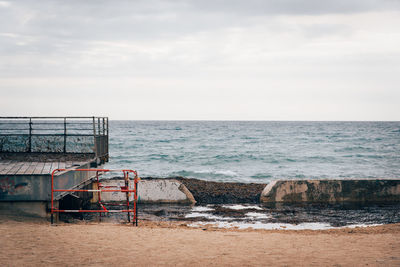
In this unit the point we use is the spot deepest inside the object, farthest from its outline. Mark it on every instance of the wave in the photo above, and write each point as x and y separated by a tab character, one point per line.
261	176
206	173
354	149
239	157
164	141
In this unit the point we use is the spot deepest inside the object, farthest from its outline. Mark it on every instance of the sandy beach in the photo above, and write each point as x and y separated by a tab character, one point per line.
35	242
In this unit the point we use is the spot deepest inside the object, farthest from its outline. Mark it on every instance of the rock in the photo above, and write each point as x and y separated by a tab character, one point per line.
152	191
208	192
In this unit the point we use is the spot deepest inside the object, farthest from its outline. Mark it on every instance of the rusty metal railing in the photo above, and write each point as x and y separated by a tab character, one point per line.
55	135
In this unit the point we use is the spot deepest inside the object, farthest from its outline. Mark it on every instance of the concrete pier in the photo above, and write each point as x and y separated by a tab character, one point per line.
32	147
331	191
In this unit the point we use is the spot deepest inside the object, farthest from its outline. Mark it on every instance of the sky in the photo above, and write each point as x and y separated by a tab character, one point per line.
201	60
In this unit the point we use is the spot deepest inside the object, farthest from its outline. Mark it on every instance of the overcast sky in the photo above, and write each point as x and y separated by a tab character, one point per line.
215	60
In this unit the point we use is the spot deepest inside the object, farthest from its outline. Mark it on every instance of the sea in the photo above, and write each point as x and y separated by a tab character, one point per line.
260	152
256	151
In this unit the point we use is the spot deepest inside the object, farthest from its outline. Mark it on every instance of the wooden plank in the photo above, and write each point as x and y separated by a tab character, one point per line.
61	165
31	167
15	168
54	166
24	167
68	164
65	165
46	168
4	164
6	161
39	168
8	167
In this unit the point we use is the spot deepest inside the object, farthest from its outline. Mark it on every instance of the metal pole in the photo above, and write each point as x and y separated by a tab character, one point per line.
98	148
103	142
135	208
108	155
126	176
107	126
30	135
94	137
98	192
52	194
65	135
98	125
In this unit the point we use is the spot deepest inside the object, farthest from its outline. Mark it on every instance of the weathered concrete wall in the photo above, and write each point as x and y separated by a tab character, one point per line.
31	208
152	191
330	191
34	187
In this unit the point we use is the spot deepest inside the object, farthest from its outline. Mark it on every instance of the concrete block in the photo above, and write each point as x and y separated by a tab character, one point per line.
152	191
331	191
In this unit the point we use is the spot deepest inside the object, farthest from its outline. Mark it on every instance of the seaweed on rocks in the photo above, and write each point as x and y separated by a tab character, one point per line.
209	192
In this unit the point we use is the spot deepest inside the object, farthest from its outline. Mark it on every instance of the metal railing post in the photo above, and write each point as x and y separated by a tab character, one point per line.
65	135
30	135
94	136
98	125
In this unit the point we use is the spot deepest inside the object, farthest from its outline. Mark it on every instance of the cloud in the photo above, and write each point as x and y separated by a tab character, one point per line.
4	4
161	19
261	56
295	7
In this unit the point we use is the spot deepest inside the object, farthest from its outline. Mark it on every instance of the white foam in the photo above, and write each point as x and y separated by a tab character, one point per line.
241	207
360	225
201	208
220	172
257	215
204	171
266	226
227	173
207	216
277	226
195	215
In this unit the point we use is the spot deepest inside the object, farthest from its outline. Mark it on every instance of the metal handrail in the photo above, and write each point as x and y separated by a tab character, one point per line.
52	117
98	125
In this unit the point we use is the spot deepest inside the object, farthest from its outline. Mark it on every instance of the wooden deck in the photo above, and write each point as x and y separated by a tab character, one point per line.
14	167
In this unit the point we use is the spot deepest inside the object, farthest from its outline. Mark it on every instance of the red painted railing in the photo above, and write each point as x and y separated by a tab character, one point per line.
123	189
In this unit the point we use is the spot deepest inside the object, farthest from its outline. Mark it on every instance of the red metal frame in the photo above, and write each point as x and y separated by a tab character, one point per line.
123	189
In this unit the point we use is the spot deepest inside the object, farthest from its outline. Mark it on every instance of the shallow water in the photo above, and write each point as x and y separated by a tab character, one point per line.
314	217
256	151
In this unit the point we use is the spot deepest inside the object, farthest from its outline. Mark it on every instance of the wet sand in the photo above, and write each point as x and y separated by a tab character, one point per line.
34	242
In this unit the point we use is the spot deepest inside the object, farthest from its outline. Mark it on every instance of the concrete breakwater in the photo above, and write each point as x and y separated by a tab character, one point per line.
180	190
332	191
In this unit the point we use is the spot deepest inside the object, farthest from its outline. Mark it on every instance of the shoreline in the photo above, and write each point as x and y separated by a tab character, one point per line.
34	242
